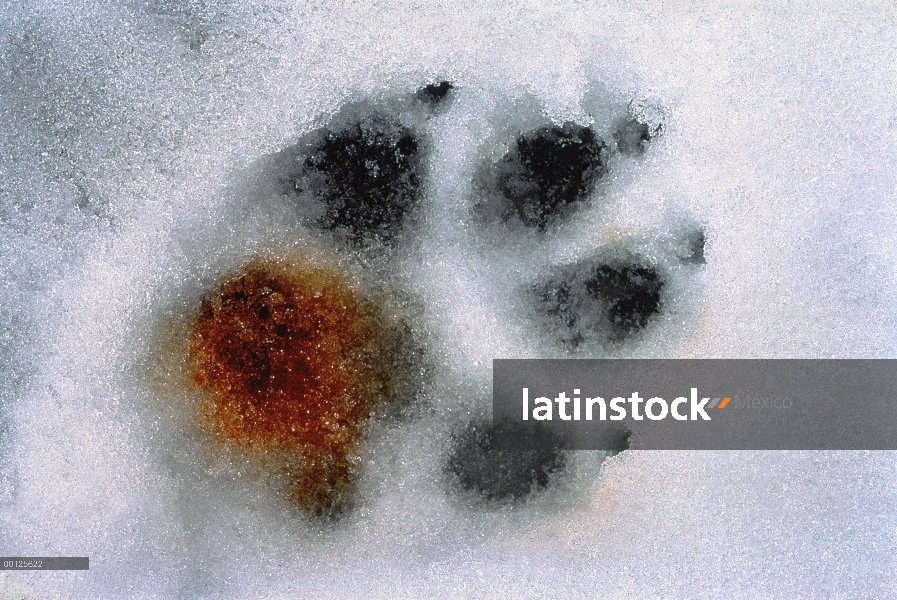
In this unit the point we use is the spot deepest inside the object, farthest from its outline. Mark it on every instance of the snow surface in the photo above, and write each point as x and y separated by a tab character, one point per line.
134	139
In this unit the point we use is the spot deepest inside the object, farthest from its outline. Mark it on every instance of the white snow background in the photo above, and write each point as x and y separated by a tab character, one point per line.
129	135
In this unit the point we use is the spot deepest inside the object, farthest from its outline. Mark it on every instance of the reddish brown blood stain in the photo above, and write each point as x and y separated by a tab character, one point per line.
289	357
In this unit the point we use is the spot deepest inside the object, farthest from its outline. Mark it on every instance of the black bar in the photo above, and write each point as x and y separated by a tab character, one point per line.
44	563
